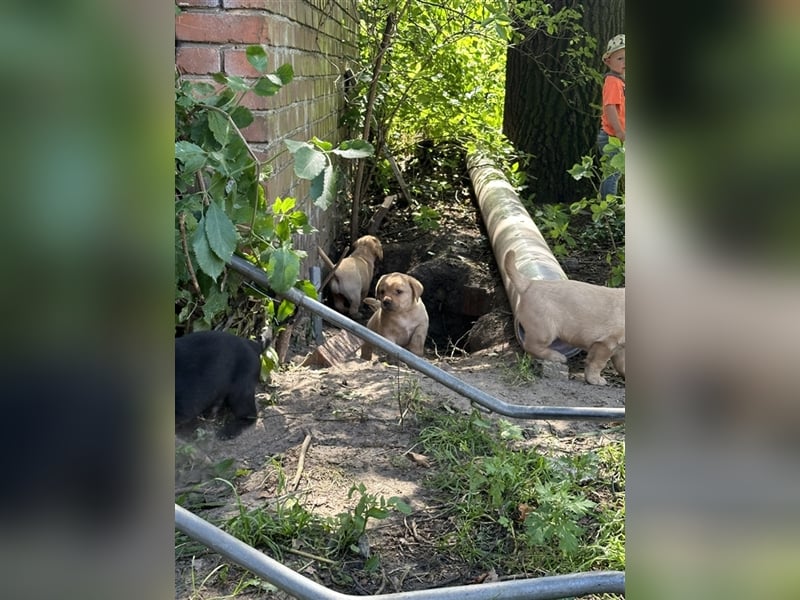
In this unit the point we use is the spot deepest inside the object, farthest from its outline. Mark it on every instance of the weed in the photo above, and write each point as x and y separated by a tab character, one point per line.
520	511
524	370
409	397
590	225
288	526
349	528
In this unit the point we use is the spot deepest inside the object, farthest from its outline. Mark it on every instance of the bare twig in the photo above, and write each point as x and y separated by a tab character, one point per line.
300	462
307	555
185	246
329	263
386	43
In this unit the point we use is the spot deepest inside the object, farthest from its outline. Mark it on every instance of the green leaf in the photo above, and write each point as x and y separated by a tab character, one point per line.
285	310
322	144
242	116
220	232
294	145
216	302
283	206
267	86
191	155
208	262
286	73
400	505
355	149
308	289
323	188
238	84
220	126
308	162
618	161
283	269
257	56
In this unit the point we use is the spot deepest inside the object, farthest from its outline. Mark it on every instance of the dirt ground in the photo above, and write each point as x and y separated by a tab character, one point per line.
360	419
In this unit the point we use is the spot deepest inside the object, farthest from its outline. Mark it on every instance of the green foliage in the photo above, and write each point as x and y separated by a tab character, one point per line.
312	160
349	528
590	224
524	370
221	209
289	525
220	206
443	76
442	80
517	510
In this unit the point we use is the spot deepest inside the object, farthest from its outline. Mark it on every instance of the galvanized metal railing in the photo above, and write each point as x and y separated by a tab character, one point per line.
516	411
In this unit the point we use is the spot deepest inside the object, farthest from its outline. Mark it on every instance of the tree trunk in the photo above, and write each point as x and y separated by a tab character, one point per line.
555	123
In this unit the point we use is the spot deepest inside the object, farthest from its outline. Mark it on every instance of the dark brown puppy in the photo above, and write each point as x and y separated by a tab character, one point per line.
215	369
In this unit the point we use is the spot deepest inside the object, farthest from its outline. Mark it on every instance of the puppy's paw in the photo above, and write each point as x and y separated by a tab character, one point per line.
594	379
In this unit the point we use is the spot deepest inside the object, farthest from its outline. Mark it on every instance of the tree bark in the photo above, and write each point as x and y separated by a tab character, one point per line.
556	124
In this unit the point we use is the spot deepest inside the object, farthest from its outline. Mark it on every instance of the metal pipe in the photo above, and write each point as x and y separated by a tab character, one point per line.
510	227
541	588
516	411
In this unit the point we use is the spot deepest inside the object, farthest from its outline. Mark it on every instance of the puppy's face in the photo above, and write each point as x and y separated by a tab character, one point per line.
398	292
400	315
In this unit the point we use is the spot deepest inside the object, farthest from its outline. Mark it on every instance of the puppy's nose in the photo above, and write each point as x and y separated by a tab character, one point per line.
387	302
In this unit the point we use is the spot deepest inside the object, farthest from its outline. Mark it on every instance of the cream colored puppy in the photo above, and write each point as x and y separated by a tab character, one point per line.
587	316
352	278
400	315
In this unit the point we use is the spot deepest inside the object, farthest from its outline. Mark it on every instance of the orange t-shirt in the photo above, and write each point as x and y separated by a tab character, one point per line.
613	93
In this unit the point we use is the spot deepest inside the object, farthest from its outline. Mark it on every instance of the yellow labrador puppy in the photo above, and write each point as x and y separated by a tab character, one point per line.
352	278
400	315
587	316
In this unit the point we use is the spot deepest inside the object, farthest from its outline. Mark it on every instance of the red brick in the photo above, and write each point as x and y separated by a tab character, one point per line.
222	28
198	3
260	130
248	3
198	60
236	64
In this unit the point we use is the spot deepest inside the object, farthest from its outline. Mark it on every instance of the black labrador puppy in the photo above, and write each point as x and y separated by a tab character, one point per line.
215	369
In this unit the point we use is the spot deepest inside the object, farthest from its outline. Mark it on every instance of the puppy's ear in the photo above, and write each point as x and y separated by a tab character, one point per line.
380	281
378	249
416	287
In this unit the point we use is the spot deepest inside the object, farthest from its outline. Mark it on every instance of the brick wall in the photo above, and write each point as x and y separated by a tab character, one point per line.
318	38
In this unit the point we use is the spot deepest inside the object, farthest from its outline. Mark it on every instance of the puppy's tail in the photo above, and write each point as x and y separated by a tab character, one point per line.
510	265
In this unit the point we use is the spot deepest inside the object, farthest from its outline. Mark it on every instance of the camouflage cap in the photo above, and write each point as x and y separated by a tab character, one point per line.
614	44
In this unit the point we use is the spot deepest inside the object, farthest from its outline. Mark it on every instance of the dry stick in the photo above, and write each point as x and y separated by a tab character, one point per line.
380	214
300	462
386	42
308	555
185	246
398	174
329	263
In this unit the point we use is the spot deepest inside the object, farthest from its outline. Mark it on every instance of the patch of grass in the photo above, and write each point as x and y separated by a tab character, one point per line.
519	511
524	370
288	526
409	397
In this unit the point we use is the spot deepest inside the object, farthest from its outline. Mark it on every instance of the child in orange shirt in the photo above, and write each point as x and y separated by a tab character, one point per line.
612	122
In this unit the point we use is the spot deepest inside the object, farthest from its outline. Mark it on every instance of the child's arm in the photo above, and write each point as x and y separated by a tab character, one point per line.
613	118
